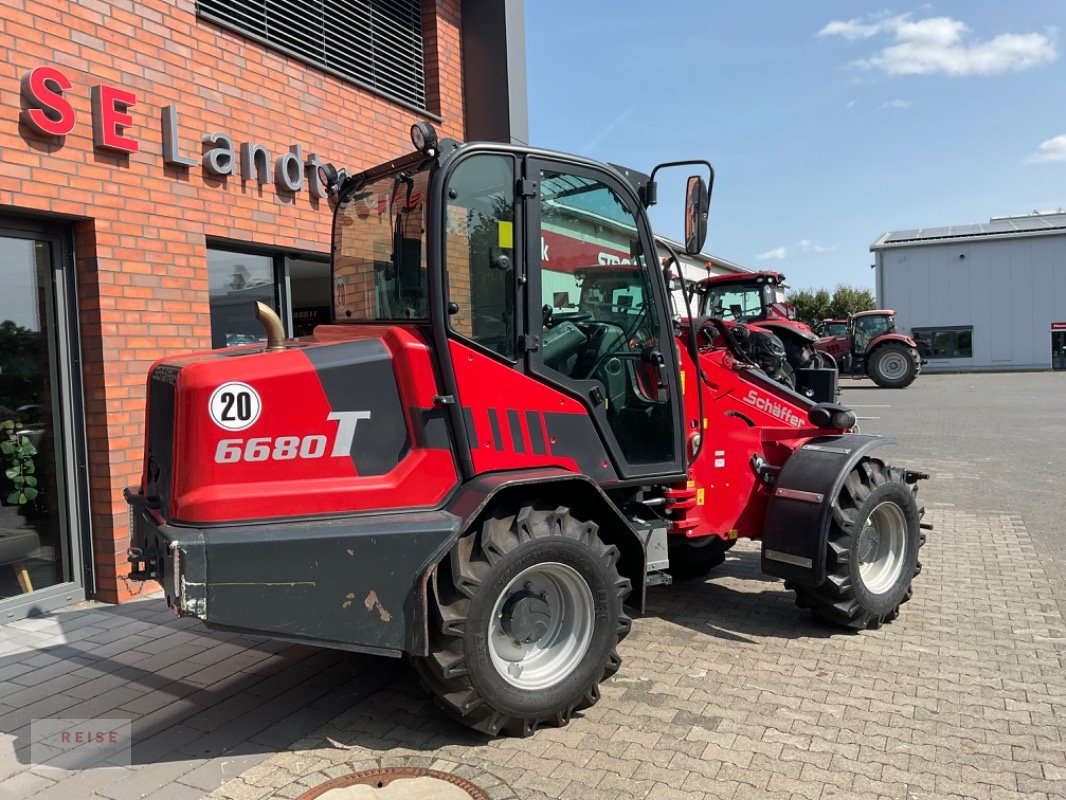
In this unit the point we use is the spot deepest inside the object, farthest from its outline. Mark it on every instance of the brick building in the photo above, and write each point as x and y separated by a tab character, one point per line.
157	172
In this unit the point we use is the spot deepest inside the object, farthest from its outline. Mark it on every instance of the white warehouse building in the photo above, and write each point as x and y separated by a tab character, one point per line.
981	297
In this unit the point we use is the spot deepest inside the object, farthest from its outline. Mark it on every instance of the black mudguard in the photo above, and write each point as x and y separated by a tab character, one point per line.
797	519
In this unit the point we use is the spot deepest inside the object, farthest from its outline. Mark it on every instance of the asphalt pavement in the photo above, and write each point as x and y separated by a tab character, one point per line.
994	443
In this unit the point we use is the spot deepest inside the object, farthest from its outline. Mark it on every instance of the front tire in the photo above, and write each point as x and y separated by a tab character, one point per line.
872	550
894	366
526	616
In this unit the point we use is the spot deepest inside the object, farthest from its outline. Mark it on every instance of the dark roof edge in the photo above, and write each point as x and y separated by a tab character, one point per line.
881	244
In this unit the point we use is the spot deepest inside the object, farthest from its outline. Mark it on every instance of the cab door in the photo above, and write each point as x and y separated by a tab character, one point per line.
597	325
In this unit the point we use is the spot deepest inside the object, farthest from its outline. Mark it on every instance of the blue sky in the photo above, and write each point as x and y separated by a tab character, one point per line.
828	123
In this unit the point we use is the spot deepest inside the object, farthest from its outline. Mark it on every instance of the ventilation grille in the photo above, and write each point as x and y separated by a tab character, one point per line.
374	43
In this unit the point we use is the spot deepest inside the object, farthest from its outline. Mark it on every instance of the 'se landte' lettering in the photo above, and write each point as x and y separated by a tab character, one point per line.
287	448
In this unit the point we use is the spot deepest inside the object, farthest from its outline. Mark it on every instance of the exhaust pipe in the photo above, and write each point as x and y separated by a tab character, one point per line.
271	323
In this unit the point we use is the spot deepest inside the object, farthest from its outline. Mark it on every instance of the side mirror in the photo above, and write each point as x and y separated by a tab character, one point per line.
696	205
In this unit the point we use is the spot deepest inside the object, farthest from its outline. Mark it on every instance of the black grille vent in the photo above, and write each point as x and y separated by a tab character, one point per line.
161	408
374	43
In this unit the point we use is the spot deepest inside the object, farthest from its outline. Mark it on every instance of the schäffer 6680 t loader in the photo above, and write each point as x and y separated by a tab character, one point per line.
501	440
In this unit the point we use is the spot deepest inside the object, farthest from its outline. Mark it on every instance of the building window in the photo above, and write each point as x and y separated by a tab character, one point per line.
236	281
296	287
374	43
309	289
954	341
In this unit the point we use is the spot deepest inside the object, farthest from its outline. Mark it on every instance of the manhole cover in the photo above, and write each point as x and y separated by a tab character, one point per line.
396	783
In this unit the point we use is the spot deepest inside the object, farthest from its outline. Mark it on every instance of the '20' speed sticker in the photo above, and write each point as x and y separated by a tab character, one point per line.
235	406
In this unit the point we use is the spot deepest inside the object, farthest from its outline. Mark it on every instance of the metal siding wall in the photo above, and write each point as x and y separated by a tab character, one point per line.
1010	291
1058	289
980	294
1048	294
1001	317
1022	282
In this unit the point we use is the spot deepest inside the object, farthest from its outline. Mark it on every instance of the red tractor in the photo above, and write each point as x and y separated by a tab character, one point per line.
757	300
868	345
499	443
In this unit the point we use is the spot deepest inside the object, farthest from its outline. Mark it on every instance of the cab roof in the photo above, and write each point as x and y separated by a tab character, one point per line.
744	277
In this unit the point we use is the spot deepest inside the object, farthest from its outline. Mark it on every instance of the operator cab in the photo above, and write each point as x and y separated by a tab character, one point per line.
869	325
533	261
745	298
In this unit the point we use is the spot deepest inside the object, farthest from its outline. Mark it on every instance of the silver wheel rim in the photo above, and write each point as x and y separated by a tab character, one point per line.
882	547
893	366
541	626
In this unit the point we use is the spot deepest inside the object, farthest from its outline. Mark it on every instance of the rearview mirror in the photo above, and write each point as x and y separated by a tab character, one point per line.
696	202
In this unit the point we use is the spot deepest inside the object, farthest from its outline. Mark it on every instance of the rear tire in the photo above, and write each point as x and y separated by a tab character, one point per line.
894	366
872	550
823	360
525	619
695	558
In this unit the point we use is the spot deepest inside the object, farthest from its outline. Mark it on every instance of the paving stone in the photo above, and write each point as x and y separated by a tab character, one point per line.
727	691
23	784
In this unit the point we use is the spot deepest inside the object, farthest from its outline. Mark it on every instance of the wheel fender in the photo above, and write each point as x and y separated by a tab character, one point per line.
796	530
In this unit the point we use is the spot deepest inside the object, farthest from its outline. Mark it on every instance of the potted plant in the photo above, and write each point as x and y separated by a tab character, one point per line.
20	485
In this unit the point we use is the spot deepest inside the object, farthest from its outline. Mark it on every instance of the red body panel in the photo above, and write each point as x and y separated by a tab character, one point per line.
743	417
488	390
287	462
892	337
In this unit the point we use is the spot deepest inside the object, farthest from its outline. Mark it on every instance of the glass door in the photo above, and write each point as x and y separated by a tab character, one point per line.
591	271
39	557
1058	349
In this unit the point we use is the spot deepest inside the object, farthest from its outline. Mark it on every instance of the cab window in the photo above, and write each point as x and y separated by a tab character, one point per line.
479	252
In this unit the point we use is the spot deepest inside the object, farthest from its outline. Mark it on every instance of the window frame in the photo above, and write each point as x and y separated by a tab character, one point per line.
517	268
628	472
928	332
72	476
282	274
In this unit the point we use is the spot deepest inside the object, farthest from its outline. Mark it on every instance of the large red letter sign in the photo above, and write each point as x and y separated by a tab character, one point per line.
49	114
109	114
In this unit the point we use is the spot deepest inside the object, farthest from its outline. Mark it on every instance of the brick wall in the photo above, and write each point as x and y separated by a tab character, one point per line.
140	226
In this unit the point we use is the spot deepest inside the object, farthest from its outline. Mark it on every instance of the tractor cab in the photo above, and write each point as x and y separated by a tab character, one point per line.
832	327
869	326
745	297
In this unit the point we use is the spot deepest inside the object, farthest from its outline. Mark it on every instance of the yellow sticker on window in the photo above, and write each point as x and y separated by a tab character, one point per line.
505	233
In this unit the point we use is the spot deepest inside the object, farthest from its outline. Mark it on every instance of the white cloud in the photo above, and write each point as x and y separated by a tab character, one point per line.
896	104
1052	150
802	246
944	45
807	246
854	28
851	104
776	254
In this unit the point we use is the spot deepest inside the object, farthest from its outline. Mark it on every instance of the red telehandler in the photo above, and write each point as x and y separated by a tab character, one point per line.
499	443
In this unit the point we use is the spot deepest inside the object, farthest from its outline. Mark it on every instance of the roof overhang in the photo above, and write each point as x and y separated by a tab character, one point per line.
881	244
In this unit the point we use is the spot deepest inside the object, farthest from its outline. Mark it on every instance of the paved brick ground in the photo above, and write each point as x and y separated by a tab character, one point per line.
727	690
204	706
